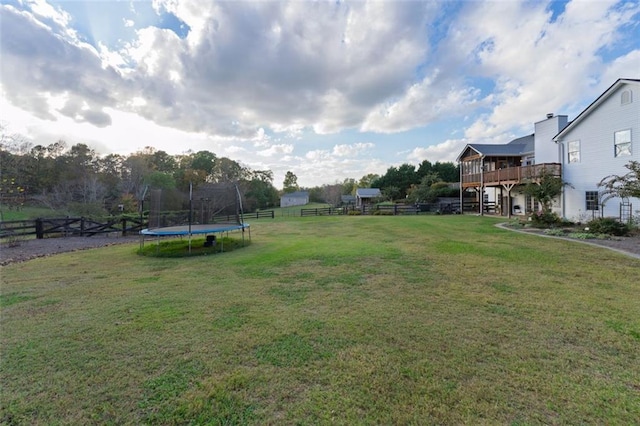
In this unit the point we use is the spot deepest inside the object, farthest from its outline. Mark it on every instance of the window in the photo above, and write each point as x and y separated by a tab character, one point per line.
573	152
622	143
591	198
626	97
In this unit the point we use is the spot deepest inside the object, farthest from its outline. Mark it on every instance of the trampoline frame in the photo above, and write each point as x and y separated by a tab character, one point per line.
189	230
211	228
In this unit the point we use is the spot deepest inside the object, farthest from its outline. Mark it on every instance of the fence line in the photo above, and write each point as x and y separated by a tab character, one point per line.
86	227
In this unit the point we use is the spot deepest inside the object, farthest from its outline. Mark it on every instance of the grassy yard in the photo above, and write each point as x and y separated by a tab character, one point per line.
332	320
24	213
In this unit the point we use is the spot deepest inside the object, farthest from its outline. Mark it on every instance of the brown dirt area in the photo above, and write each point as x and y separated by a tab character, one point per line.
21	251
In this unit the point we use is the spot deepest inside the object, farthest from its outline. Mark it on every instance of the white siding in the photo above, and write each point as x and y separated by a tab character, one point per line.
546	150
597	159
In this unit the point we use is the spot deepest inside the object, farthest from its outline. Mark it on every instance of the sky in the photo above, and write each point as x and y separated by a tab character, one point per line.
326	89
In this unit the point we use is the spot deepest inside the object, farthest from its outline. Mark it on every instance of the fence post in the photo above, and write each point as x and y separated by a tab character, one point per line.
82	226
39	229
124	226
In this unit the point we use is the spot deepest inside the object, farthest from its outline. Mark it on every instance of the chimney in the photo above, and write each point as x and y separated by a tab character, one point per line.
549	115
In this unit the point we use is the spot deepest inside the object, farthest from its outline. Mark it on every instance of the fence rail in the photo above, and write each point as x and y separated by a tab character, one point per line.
87	227
265	214
386	209
323	211
69	226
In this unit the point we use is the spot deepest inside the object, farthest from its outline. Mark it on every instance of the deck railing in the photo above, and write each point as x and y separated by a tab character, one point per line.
515	175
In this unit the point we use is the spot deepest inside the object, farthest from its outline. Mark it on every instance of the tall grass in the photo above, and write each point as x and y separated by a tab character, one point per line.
347	320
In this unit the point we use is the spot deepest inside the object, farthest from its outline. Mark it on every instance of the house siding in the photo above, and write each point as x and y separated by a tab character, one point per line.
597	156
546	150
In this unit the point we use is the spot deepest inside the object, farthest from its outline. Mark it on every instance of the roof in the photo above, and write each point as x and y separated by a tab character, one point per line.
347	198
368	192
297	194
517	147
595	104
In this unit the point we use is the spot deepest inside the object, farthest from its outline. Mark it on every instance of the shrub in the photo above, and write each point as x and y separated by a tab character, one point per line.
383	213
545	219
583	235
609	226
556	232
354	213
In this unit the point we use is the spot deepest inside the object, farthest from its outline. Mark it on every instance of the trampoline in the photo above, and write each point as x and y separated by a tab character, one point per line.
212	228
212	209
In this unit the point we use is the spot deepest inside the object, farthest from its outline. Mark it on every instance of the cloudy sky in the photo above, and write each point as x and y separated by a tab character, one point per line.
326	89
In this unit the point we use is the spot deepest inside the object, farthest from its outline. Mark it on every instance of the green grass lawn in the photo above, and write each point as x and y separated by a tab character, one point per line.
331	320
24	213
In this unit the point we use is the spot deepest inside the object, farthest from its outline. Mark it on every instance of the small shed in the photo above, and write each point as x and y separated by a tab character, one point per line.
298	198
367	195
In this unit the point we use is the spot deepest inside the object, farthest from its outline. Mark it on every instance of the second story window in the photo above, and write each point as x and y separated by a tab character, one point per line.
573	152
622	143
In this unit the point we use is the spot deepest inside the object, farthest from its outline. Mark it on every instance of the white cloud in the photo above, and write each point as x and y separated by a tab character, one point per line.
538	66
345	150
446	151
292	85
277	149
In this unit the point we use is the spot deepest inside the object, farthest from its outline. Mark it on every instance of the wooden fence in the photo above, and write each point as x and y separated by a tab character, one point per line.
86	227
70	226
386	209
323	211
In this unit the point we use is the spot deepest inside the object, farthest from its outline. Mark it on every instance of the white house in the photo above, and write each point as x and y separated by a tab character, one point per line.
598	143
298	198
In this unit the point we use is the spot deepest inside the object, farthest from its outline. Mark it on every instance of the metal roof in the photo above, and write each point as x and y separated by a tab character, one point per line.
368	192
517	147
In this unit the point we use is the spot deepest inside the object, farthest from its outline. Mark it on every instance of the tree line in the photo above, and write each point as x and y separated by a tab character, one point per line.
76	179
406	183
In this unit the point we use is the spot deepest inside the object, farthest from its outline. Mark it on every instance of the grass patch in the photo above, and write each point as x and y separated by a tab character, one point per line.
13	298
182	248
28	212
347	320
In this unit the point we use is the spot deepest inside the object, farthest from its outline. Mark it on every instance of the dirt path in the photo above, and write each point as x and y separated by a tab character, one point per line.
31	249
626	245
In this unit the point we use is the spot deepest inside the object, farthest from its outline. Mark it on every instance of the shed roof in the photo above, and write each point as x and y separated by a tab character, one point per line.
368	192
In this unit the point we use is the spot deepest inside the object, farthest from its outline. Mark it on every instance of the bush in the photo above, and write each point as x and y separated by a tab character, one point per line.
609	226
87	209
556	232
545	219
354	213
